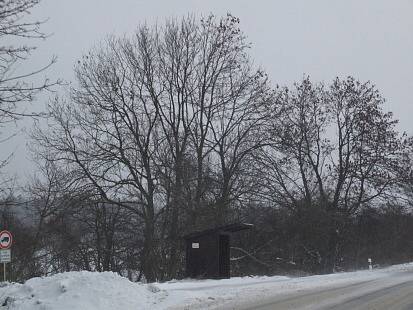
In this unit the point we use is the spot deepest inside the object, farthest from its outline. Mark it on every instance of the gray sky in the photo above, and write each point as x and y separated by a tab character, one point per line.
369	39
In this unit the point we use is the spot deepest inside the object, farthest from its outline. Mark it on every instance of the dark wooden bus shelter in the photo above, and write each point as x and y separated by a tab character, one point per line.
208	251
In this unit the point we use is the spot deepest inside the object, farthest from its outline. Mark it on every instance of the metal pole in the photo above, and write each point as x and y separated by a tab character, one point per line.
4	266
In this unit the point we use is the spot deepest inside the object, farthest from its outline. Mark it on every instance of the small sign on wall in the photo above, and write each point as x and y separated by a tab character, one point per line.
195	245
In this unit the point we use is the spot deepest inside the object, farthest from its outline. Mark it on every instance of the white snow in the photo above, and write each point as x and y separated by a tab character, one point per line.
108	291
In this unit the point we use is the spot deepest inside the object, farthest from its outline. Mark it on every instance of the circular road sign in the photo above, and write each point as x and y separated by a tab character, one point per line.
6	239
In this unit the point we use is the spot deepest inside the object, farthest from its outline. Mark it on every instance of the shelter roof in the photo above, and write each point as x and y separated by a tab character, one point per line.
229	228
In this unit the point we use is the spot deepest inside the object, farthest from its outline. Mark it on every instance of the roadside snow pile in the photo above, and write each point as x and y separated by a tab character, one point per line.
79	290
108	291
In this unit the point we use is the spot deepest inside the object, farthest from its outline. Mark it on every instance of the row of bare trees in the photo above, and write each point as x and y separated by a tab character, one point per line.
177	126
174	130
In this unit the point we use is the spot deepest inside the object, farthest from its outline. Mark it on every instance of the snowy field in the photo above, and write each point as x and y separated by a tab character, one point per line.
108	291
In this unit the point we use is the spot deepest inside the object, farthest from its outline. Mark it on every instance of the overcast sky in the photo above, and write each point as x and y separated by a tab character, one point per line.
369	39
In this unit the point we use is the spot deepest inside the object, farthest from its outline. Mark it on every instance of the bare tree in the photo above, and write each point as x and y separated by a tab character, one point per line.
156	116
334	149
17	88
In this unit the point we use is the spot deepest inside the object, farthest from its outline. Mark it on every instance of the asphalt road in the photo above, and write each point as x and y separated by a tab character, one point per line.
393	292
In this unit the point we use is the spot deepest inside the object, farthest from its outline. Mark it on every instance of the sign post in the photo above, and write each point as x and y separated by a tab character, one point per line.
370	266
6	240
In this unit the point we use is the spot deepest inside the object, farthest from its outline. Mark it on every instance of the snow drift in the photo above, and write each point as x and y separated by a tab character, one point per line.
108	291
78	290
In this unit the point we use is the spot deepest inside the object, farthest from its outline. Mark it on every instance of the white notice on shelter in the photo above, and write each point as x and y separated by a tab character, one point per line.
5	256
195	245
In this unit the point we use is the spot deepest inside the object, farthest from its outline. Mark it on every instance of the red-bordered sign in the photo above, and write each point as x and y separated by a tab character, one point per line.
6	239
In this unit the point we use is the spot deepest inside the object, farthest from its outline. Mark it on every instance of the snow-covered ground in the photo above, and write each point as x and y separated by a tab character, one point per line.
108	291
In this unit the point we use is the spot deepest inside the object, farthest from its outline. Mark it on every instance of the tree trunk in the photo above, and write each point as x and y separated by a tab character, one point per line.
330	256
148	259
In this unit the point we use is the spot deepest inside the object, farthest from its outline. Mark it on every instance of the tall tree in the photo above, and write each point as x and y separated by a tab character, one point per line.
334	149
156	116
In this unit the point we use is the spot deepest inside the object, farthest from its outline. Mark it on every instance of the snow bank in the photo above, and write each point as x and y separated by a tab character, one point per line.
108	291
80	290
